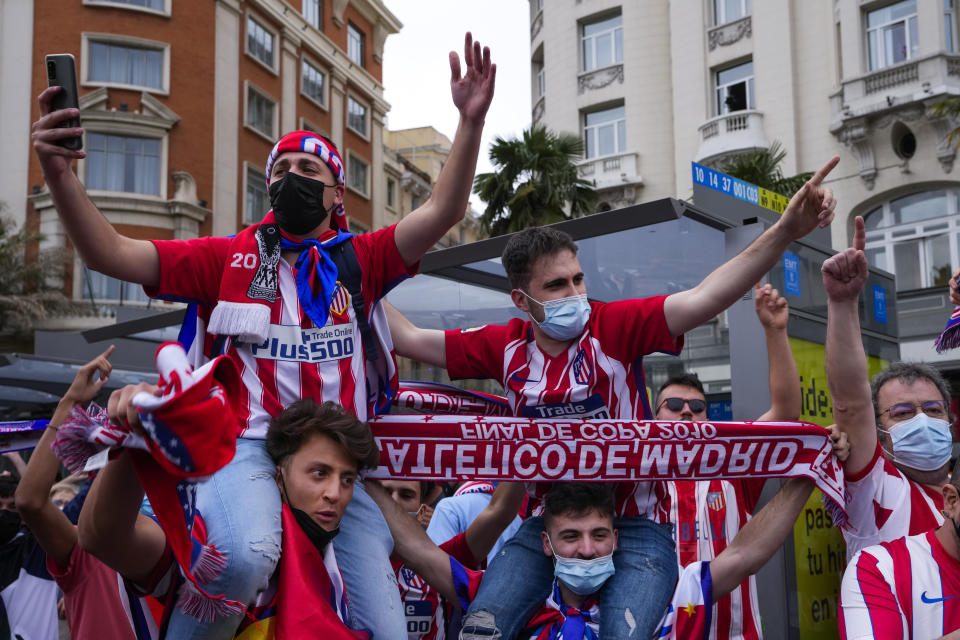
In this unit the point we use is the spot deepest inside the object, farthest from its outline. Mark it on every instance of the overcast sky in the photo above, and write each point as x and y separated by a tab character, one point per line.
416	71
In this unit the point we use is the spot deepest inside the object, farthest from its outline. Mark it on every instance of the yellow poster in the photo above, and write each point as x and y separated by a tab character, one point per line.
819	551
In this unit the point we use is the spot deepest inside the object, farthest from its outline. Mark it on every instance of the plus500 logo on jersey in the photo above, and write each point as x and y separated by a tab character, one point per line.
292	343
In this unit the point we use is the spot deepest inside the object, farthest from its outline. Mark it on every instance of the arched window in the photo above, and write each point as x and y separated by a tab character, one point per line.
915	238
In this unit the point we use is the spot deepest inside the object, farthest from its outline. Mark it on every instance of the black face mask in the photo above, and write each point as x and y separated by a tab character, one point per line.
319	536
298	203
9	525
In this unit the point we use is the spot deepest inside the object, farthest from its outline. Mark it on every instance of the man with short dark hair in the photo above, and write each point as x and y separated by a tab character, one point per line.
899	427
318	450
708	514
576	358
580	539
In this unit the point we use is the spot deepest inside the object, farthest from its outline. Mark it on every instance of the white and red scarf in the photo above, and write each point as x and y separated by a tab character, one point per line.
437	447
250	283
191	431
950	337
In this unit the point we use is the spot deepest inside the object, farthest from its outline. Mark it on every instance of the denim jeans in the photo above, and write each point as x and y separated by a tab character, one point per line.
632	602
240	505
363	549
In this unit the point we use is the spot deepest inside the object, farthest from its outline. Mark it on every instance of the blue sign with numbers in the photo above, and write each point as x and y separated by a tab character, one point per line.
879	304
725	184
791	274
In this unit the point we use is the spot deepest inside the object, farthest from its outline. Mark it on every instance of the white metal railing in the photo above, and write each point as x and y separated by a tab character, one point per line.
730	133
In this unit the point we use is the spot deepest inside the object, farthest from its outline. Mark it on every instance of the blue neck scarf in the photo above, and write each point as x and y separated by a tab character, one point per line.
316	274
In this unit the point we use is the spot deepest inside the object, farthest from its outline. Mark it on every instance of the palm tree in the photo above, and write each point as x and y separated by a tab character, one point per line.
535	182
26	292
762	168
950	109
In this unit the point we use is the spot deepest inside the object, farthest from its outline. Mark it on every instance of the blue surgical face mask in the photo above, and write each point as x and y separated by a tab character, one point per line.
565	318
583	577
921	443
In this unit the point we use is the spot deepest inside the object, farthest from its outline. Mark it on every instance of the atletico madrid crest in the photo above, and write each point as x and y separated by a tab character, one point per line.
340	301
715	500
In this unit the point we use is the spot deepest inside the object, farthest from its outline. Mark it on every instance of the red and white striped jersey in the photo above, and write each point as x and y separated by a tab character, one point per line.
298	359
599	376
883	505
425	611
907	588
706	517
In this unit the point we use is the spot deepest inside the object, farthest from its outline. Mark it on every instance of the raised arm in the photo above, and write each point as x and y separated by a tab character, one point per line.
447	204
785	397
53	530
810	207
100	246
760	538
844	276
111	526
410	341
490	523
411	544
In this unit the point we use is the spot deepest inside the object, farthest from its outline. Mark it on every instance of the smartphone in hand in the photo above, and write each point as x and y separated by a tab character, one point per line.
62	71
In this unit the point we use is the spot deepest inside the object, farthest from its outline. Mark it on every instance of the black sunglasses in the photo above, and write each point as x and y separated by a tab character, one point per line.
676	404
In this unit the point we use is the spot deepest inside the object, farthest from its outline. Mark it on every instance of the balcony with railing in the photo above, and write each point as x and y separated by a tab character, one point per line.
731	133
913	82
610	171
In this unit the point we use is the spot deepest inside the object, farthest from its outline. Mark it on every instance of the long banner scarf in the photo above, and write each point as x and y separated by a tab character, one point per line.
950	338
190	434
434	397
434	447
21	434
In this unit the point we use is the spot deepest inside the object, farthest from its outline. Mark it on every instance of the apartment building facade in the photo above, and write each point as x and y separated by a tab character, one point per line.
182	101
652	86
421	153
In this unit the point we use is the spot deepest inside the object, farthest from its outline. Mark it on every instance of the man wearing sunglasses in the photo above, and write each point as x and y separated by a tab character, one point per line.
708	514
899	427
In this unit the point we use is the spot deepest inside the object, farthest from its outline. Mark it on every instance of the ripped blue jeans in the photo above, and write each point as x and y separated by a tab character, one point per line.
241	508
240	505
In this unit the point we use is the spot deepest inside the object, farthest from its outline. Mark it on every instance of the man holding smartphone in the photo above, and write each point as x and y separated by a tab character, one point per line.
279	320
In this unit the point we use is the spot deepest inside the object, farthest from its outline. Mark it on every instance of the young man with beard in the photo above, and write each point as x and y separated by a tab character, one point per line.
290	325
574	357
898	426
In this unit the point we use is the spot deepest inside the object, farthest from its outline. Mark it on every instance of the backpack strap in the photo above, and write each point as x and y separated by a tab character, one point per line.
350	276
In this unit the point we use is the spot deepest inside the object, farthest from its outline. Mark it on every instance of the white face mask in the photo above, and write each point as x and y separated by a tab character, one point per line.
583	577
921	443
564	318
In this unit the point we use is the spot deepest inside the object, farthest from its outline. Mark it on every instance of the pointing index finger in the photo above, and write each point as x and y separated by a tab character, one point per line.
824	170
859	234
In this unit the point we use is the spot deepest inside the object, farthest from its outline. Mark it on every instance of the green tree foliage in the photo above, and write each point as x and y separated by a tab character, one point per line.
26	290
949	108
535	182
762	168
